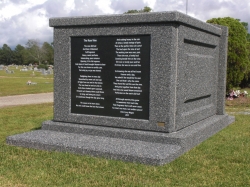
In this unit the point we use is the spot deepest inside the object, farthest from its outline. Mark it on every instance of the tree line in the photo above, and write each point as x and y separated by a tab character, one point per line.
32	53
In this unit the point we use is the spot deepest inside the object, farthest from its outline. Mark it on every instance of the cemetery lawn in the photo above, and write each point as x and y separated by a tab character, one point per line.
222	160
15	83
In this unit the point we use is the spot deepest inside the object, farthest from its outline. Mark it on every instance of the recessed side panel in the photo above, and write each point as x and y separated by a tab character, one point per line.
197	77
198	89
110	76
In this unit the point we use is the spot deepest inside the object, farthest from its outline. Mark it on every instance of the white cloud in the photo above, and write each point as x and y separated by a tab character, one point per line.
170	5
10	10
220	1
21	20
104	5
69	5
36	2
150	3
121	6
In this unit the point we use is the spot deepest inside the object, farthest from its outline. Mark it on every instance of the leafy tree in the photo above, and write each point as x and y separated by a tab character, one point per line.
245	24
238	63
43	66
34	50
248	37
246	81
48	53
145	9
6	56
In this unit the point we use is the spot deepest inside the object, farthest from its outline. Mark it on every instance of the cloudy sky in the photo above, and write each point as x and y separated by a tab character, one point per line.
21	20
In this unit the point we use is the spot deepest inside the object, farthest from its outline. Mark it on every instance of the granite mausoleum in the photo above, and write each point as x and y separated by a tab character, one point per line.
136	87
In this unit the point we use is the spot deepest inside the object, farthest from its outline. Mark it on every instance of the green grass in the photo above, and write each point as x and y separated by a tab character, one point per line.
222	160
15	84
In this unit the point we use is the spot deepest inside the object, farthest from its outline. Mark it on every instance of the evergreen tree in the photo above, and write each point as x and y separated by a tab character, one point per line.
20	55
7	55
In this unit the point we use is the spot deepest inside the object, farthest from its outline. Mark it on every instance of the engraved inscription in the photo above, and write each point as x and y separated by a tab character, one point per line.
110	76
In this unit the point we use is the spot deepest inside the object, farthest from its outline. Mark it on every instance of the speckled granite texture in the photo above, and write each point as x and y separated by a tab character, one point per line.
187	90
184	67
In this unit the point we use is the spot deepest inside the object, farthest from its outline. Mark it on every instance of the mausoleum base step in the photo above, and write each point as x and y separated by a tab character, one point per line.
145	147
112	148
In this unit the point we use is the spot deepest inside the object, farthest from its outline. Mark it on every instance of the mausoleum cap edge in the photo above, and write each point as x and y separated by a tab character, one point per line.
141	18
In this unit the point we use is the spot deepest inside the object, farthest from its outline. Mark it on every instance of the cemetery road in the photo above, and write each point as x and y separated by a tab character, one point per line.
26	99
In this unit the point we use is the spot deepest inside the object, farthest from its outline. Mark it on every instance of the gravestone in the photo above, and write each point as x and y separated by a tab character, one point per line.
9	71
50	71
1	67
24	69
136	87
43	71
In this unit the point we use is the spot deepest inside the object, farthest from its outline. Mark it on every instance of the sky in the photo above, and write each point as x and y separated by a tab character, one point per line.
23	20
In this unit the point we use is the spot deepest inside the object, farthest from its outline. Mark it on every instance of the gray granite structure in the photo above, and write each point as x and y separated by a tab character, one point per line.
136	87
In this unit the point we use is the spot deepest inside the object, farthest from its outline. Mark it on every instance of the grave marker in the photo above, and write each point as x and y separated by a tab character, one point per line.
50	71
44	72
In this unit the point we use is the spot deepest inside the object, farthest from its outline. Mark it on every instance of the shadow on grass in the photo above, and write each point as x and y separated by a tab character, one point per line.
36	128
